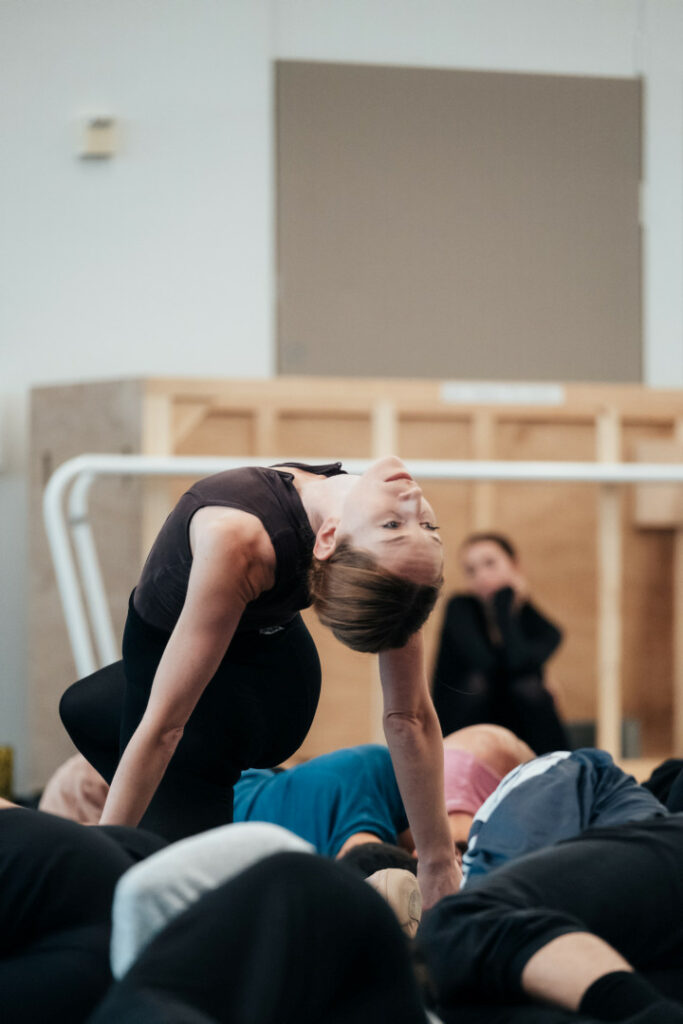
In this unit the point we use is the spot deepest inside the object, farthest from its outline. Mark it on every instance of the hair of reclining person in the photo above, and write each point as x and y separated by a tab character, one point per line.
365	859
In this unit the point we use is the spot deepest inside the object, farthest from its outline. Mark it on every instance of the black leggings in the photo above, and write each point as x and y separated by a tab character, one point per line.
56	884
624	884
295	939
254	713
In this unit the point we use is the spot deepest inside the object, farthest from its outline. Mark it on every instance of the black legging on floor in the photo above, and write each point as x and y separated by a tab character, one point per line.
254	713
56	884
624	884
295	939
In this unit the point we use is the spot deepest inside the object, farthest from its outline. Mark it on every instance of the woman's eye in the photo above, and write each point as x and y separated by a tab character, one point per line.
430	526
391	524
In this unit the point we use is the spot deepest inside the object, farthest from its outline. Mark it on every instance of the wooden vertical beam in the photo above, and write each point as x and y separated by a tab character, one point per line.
265	435
608	445
483	448
384	429
157	439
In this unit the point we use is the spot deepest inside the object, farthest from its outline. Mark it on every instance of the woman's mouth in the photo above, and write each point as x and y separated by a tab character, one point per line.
398	476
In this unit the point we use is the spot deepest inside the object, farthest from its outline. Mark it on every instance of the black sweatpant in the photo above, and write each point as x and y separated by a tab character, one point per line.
56	884
624	884
254	713
294	939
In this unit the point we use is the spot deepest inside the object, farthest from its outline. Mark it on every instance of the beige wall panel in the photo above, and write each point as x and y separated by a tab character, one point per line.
457	223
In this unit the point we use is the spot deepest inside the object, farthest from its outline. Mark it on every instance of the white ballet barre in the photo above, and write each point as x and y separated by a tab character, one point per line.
66	516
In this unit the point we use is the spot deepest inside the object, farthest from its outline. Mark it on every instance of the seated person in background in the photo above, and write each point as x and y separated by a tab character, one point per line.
494	644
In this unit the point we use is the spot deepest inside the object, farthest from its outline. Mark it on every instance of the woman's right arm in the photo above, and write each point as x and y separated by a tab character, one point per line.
224	577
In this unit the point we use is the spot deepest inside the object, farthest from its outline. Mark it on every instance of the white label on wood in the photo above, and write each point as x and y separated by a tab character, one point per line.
502	394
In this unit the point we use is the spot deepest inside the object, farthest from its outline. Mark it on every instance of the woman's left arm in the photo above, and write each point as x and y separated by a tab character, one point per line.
414	739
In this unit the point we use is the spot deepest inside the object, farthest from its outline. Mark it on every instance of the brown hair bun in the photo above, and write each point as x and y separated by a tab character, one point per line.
367	607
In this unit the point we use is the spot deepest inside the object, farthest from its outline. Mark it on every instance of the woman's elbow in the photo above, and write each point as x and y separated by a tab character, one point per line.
165	737
405	725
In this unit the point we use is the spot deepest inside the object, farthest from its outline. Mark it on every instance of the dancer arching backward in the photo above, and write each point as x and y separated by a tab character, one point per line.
220	672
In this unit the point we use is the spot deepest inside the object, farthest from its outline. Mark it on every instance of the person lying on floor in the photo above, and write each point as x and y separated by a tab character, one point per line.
349	797
57	880
344	804
563	926
339	800
552	798
292	938
592	925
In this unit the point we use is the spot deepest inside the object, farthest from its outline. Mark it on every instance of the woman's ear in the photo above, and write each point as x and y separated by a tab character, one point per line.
326	538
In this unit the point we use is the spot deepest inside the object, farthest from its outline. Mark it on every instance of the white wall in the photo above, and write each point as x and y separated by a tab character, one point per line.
160	261
155	262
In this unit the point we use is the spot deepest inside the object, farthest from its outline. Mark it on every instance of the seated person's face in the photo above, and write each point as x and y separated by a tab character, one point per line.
487	568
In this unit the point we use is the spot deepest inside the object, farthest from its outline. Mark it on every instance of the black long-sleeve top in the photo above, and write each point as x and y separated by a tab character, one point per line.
484	650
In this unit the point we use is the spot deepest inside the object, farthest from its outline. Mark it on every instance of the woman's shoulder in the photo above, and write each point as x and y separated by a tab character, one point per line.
236	538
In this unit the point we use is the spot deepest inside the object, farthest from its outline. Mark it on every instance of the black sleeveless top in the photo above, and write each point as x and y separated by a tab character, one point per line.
266	493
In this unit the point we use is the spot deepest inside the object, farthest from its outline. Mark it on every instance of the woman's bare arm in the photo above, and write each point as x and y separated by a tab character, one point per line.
414	739
222	581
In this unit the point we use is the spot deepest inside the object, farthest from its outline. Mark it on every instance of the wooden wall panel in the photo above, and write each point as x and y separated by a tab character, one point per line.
348	698
442	437
220	432
555	526
323	434
647	604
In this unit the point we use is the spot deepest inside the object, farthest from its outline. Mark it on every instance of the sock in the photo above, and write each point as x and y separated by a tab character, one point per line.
620	996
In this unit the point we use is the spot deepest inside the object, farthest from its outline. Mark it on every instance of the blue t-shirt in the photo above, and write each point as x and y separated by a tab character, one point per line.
327	799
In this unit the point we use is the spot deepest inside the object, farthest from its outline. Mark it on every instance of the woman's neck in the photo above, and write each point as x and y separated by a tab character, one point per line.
323	496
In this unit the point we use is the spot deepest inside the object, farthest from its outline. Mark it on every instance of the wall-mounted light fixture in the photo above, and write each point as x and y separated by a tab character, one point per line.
99	138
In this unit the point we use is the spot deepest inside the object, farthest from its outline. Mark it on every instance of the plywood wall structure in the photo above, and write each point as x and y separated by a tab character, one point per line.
571	536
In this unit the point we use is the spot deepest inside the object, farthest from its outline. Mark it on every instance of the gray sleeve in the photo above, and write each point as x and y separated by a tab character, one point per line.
154	891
